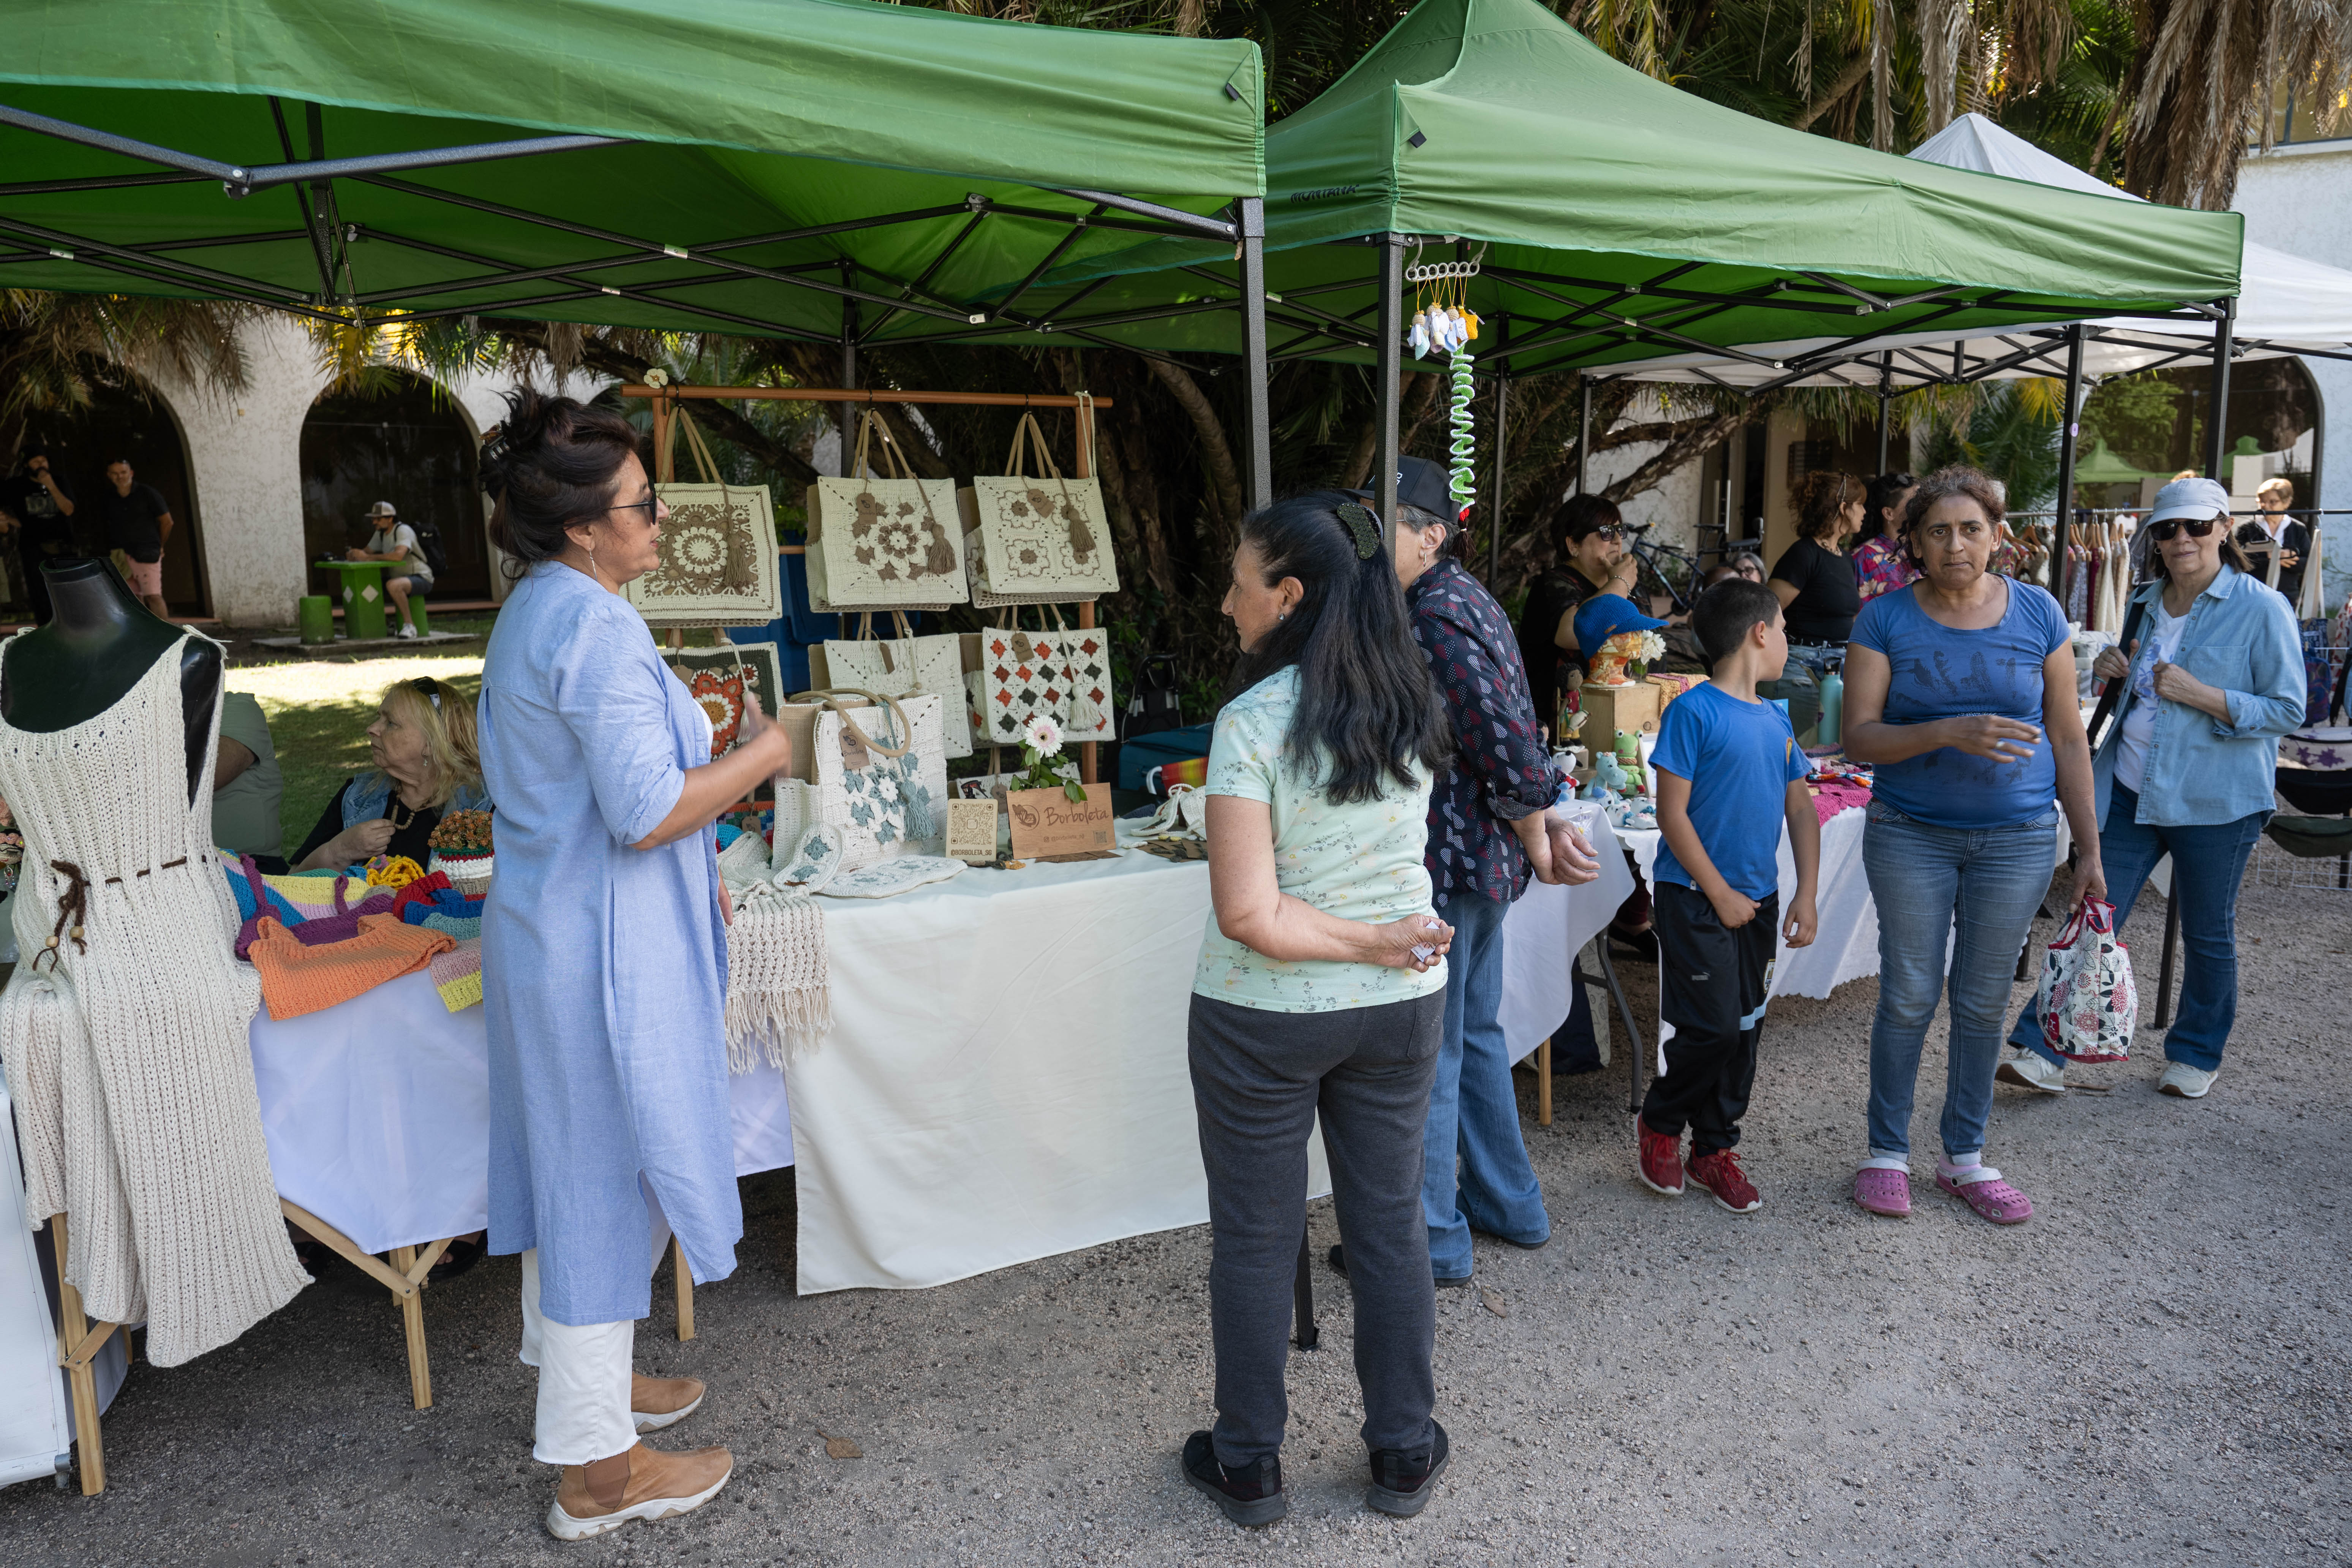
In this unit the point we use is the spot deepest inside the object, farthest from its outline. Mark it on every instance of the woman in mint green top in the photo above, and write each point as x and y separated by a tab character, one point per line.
1320	992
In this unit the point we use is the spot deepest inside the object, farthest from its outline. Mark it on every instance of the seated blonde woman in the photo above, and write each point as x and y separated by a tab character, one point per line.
422	744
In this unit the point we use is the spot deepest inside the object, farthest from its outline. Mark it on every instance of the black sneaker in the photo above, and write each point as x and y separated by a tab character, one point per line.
1337	1259
1250	1496
1402	1481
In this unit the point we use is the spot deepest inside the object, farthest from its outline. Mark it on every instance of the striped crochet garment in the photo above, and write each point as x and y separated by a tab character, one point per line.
126	1042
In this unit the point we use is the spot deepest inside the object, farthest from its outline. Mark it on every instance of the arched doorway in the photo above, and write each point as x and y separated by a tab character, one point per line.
124	420
407	443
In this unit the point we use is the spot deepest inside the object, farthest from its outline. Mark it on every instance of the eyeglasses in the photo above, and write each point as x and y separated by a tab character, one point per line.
427	687
645	506
2162	532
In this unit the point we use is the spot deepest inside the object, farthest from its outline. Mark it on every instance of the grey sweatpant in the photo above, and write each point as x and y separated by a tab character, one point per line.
1259	1078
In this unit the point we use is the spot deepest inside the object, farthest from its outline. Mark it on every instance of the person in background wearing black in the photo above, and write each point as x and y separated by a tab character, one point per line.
38	507
2275	533
139	524
1815	580
1587	543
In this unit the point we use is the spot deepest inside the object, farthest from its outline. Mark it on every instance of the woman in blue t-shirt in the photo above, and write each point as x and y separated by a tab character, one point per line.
1960	690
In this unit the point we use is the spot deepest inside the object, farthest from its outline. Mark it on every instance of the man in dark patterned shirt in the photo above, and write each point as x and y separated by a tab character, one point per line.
1487	833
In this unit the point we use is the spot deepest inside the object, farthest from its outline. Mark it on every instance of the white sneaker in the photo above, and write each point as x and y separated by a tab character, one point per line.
2184	1081
2031	1069
407	629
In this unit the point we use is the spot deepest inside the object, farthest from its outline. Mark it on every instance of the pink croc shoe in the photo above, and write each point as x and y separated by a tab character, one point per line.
1991	1197
1882	1191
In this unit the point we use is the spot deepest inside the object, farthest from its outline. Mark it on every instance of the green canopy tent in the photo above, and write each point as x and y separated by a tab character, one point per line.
813	170
1614	217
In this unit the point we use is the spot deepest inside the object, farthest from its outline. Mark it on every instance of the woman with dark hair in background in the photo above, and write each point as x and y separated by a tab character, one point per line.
1879	560
1588	542
1814	582
1320	988
604	958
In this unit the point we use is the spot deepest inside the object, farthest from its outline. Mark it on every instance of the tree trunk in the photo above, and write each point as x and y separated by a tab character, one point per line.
1356	474
1697	438
1830	96
1217	453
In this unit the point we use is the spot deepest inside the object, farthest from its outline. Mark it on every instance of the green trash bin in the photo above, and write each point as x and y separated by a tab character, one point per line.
314	616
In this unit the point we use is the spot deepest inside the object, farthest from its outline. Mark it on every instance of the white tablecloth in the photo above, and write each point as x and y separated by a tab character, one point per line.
1005	1081
378	1115
1542	937
1006	1078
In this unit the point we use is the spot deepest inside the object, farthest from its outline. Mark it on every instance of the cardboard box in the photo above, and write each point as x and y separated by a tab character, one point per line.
1611	710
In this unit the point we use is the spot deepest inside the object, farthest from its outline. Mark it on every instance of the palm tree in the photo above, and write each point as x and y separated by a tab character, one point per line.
54	349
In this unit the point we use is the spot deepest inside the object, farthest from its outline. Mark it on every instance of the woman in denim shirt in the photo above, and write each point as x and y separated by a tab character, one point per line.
1960	690
2187	769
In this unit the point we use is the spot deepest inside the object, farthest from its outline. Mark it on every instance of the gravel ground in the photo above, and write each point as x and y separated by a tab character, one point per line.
2152	1370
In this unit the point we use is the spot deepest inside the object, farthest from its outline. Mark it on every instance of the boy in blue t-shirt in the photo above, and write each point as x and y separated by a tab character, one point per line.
1724	758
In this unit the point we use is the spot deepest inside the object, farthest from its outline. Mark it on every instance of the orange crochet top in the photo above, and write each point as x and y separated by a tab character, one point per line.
296	979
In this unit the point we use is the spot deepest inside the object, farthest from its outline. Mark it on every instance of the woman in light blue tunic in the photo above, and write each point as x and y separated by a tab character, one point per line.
604	958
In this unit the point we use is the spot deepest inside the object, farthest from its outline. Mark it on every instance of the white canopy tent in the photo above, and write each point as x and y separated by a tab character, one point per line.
2286	305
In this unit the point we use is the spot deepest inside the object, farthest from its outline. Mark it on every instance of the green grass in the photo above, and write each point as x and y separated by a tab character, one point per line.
319	713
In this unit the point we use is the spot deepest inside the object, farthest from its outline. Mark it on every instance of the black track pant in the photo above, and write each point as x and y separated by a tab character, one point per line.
1712	982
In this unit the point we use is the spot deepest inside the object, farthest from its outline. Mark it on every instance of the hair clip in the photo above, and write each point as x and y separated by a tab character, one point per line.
1362	526
493	454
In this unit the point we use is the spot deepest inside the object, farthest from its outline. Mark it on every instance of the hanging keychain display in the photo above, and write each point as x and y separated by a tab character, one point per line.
1443	320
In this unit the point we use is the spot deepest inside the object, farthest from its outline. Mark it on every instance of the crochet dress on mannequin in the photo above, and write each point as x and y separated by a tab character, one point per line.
125	1042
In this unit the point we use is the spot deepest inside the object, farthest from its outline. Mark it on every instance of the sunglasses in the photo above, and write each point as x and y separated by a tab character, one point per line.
2162	532
427	687
1609	531
645	506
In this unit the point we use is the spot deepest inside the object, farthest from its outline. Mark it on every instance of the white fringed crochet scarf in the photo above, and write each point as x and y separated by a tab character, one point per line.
779	995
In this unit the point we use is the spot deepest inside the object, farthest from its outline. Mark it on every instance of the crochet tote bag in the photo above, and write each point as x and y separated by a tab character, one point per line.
1036	538
1062	673
717	548
881	774
907	666
884	543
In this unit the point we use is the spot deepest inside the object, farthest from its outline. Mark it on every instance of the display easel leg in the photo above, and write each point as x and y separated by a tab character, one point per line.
2171	944
404	1276
685	1288
1302	1298
77	1342
1543	1083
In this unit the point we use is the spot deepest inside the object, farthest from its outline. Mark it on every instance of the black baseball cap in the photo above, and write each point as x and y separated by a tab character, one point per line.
1422	483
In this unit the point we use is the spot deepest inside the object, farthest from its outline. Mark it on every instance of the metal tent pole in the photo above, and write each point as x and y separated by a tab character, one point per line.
848	371
2068	430
1252	215
1583	430
1494	514
2216	446
1886	390
1392	330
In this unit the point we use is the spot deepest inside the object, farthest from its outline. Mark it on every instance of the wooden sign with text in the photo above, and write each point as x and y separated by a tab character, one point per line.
1047	822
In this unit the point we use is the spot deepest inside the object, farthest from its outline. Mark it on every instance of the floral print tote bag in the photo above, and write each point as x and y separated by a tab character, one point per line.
2088	999
884	543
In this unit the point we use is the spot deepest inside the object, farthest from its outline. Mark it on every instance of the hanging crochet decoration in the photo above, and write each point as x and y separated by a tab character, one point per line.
1444	321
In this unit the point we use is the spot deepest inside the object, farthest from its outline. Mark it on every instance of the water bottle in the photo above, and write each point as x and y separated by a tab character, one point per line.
1832	707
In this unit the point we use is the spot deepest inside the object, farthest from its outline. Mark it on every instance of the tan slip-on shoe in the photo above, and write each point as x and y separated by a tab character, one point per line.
658	1402
643	1483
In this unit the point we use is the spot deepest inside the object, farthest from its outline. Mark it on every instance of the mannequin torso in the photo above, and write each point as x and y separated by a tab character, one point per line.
101	643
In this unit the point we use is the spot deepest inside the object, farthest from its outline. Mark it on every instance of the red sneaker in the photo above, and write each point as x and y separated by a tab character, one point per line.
1721	1174
1660	1163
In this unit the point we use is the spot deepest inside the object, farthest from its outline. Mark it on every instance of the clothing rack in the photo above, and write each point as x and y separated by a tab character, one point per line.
664	400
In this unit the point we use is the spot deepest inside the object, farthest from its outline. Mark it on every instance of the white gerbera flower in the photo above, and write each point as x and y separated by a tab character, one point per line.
1042	735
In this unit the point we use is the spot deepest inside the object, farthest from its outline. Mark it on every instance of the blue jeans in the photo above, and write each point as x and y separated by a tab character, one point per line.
1476	1169
1926	880
2207	864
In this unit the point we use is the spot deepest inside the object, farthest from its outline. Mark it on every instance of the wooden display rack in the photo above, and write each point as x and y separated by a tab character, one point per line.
1081	404
79	1340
